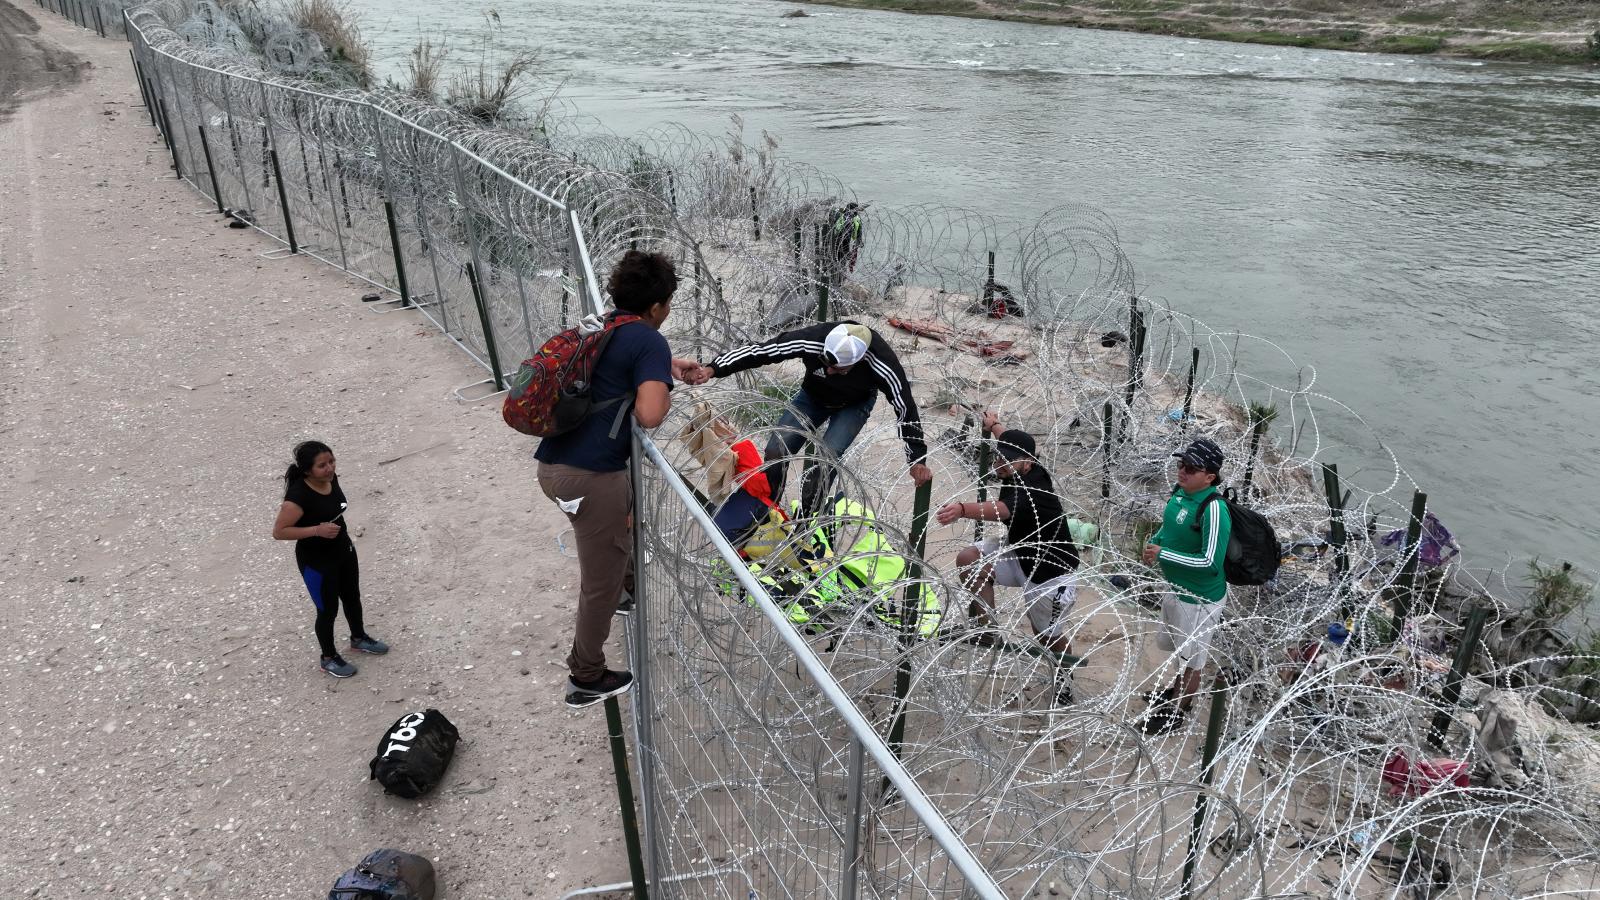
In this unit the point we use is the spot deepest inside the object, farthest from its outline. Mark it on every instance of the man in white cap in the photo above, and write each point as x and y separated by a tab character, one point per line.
847	366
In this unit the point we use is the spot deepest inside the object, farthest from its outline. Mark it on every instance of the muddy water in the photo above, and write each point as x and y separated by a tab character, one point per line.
1422	232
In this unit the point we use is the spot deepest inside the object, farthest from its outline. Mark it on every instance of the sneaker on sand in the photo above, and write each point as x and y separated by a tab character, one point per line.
369	644
625	604
588	693
337	667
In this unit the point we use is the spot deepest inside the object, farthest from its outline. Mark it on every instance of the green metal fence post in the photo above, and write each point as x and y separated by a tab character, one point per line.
630	820
1336	525
1188	392
488	330
1208	757
1451	695
211	170
985	459
166	134
910	612
283	200
1406	582
399	260
1105	447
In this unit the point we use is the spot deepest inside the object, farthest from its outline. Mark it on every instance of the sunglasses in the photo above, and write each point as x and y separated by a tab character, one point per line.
1187	469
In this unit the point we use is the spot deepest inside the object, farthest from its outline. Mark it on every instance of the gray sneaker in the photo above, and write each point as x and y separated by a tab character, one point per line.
337	667
368	644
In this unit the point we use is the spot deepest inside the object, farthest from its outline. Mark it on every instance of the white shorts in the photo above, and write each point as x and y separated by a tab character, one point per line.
1048	603
1186	628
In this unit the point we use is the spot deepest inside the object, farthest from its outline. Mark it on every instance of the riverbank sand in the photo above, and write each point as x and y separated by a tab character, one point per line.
167	732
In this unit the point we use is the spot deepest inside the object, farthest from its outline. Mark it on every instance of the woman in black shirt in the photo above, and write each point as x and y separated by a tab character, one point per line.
312	515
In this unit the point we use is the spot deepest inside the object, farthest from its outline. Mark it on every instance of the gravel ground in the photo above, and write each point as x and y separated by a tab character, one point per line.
167	733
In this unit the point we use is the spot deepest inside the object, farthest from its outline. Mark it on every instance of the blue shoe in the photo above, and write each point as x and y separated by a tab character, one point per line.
337	667
368	644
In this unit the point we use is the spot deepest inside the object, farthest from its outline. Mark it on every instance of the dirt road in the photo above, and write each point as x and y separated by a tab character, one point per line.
167	733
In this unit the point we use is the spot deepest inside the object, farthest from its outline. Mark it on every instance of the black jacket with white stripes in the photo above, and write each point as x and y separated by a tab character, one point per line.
880	370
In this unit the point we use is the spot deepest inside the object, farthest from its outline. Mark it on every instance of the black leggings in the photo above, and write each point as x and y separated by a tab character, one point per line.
330	582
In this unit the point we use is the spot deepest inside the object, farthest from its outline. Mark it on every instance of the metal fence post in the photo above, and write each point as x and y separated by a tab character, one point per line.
283	200
985	459
1208	757
144	89
852	826
910	613
1105	447
488	330
1451	695
1188	392
639	660
211	170
1405	583
630	823
388	209
1336	525
475	272
166	132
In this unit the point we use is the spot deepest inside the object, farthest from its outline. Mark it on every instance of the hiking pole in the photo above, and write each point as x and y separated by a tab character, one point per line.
1208	757
630	822
1451	695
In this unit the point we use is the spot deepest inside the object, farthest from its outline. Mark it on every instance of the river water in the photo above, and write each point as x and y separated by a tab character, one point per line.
1424	232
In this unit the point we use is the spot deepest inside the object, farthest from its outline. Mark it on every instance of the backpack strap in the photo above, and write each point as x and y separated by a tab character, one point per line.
611	324
1216	494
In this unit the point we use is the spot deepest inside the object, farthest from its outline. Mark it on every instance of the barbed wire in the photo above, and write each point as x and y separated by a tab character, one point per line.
1338	768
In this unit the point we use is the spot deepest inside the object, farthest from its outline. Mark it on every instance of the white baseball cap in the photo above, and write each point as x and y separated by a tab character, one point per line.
847	343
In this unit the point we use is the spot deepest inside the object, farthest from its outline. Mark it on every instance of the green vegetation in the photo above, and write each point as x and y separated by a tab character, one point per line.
1421	17
1409	43
949	7
1523	51
1555	592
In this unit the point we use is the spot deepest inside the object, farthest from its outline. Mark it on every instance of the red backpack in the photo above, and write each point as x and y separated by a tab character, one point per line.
551	393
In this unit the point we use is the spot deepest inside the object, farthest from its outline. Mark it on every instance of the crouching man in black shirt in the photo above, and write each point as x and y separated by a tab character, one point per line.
1037	554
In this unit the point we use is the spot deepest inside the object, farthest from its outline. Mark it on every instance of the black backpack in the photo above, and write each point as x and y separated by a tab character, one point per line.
1253	549
414	752
387	875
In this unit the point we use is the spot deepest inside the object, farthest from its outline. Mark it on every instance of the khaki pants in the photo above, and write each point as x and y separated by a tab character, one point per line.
597	505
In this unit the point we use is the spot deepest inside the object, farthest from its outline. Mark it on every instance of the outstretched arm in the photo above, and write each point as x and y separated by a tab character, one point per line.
788	345
893	383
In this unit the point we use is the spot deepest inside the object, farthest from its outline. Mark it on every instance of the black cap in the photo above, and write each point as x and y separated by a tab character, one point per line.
1015	444
1202	454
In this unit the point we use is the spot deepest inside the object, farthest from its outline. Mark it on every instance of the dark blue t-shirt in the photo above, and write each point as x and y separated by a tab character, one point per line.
637	353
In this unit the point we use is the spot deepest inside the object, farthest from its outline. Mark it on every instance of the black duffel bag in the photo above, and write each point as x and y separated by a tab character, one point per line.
414	752
386	875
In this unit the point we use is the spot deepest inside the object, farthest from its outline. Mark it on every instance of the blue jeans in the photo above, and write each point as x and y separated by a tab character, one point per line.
804	415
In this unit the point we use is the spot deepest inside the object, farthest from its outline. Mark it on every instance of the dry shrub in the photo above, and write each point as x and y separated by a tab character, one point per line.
426	67
490	92
334	25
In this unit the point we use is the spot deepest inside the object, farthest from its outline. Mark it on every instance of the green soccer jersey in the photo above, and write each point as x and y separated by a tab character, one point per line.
1192	559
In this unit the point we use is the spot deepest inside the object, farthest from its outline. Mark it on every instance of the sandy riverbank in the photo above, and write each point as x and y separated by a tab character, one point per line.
1567	31
167	733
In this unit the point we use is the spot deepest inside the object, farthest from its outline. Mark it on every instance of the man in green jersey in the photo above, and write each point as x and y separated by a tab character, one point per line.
1191	547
